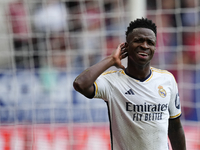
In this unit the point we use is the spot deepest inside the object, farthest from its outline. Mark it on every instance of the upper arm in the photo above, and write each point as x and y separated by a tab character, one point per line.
101	88
174	124
174	104
176	134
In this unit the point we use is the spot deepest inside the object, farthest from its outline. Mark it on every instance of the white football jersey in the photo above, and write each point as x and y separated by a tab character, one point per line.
139	110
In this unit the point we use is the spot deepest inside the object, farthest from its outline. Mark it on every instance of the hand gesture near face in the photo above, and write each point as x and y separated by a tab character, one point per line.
119	54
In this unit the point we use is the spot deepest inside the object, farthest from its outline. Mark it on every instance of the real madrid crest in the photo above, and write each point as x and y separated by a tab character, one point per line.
161	91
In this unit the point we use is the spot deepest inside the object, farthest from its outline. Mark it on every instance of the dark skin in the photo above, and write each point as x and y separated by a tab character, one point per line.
139	47
176	134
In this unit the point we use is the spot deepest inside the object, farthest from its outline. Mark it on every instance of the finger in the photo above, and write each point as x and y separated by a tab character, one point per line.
122	45
124	55
124	50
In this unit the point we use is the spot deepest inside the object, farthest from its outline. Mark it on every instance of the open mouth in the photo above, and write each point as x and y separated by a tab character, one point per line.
142	54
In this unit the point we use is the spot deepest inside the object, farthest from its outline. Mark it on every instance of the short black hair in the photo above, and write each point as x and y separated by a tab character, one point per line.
141	23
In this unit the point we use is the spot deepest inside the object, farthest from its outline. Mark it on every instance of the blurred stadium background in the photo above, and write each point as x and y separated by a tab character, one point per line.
45	44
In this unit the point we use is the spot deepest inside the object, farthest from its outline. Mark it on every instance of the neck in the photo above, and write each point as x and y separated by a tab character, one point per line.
139	73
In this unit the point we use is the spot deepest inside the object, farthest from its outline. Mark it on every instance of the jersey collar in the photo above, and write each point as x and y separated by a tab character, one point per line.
146	79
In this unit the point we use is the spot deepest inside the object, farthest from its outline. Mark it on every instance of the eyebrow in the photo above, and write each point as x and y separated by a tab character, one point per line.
149	39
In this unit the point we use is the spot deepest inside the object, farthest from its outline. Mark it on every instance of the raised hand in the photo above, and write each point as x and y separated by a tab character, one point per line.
119	54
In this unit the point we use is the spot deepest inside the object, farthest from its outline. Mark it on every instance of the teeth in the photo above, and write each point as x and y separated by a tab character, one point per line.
143	54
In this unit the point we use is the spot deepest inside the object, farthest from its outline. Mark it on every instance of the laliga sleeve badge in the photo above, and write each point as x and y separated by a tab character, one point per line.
177	101
161	91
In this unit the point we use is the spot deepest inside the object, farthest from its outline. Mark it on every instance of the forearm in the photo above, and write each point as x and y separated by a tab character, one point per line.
84	82
86	79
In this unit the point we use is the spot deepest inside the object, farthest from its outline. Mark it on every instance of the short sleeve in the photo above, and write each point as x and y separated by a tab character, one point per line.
174	105
102	87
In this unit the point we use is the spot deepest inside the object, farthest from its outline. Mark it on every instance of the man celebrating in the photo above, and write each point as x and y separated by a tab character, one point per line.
143	102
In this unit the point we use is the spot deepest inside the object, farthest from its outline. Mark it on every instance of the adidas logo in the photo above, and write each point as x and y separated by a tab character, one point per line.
130	92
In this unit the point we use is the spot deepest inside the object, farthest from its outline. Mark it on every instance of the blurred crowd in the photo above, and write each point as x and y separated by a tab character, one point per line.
64	33
52	41
84	31
72	35
178	47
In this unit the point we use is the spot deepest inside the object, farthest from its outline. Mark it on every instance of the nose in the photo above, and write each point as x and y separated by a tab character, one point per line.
145	45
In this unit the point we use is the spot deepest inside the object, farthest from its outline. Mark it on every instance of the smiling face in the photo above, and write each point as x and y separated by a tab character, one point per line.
141	45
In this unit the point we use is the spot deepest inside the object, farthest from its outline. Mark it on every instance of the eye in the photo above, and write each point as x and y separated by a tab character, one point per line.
151	42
